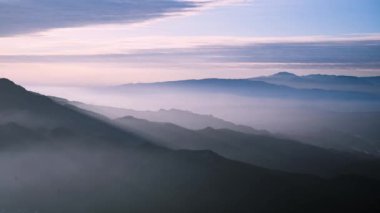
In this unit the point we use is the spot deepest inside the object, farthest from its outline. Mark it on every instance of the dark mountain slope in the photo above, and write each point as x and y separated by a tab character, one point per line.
143	180
261	150
39	112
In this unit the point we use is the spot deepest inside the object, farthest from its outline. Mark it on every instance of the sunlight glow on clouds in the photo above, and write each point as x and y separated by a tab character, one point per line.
62	42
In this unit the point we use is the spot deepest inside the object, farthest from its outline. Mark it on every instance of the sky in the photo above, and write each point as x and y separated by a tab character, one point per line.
110	42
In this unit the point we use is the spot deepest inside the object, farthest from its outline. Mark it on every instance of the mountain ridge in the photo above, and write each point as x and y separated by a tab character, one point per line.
37	111
103	176
184	118
261	150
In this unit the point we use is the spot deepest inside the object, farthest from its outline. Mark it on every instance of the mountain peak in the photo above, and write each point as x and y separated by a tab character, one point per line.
5	81
285	74
7	85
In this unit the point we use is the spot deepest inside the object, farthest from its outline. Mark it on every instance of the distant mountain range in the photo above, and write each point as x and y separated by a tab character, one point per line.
56	158
277	86
326	82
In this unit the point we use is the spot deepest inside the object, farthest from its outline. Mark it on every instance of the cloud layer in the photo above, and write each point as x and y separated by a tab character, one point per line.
348	50
24	16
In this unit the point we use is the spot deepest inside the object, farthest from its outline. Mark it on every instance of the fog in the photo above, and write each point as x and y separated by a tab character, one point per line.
79	179
339	123
274	114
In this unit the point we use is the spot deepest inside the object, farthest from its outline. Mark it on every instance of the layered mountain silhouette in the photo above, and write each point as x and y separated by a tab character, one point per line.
98	167
344	131
338	112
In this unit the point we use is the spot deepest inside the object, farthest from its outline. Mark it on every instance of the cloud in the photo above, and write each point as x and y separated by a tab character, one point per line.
25	16
100	42
348	50
360	52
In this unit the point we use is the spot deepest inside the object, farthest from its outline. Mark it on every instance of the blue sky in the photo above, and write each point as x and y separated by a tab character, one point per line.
280	18
97	42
